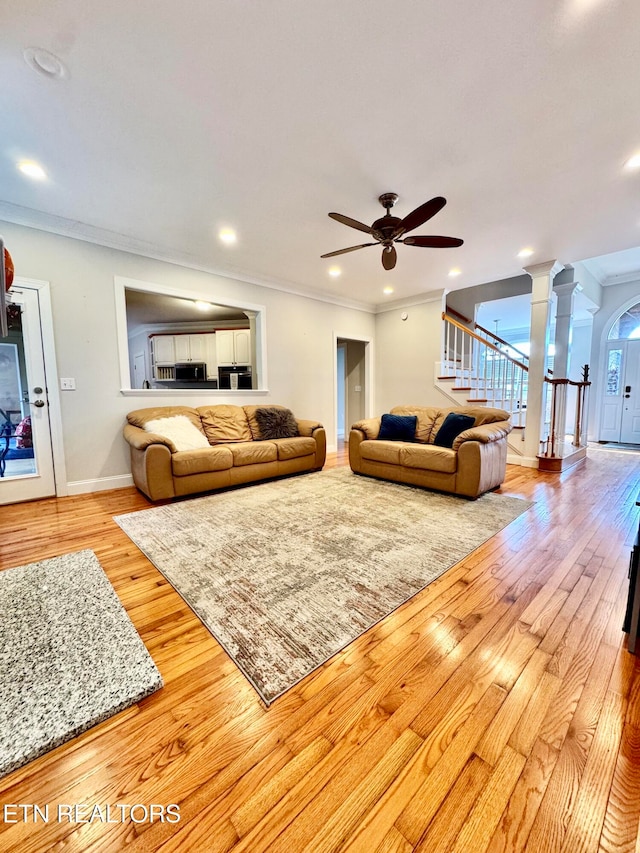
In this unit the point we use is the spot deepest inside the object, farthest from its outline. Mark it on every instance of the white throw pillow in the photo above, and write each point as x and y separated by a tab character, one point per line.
179	430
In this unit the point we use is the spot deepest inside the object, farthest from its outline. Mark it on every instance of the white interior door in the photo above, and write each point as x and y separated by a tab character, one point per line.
27	467
630	429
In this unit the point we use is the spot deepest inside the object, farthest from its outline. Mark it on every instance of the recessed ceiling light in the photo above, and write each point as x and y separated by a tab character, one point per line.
388	290
45	63
32	169
203	306
334	272
525	253
454	272
633	162
227	235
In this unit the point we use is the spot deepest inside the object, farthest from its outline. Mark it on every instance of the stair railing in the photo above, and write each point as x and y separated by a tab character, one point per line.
564	393
483	369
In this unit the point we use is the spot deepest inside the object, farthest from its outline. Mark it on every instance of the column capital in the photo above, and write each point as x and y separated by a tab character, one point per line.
566	289
550	268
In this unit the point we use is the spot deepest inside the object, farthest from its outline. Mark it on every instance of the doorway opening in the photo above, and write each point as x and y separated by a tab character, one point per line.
353	383
620	410
31	454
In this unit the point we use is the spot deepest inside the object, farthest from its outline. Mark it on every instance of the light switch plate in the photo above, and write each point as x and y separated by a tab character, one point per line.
67	384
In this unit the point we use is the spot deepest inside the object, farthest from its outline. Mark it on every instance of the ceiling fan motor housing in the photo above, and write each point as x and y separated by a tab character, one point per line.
386	228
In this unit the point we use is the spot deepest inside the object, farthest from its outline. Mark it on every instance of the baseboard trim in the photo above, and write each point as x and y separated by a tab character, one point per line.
103	484
524	461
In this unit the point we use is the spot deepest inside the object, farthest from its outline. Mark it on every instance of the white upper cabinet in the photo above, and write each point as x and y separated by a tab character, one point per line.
191	347
163	349
233	346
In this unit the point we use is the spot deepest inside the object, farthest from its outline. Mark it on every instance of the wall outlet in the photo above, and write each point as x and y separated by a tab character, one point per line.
67	384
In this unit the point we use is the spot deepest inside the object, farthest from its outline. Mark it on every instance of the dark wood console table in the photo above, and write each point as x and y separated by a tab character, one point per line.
631	624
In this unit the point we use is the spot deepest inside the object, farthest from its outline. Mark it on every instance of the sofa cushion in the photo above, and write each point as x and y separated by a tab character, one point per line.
292	448
275	422
426	418
452	426
397	428
253	452
429	457
139	417
179	430
224	423
381	451
201	461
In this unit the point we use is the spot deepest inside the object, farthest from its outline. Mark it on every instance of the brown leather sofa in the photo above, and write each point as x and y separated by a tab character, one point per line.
474	464
236	453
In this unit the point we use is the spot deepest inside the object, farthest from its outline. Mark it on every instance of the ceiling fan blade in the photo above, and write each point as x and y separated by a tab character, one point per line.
433	242
421	214
389	258
350	249
352	223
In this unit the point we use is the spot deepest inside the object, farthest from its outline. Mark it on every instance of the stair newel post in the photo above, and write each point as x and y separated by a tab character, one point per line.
552	426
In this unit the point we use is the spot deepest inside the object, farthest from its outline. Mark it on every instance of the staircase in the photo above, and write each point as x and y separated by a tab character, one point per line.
480	369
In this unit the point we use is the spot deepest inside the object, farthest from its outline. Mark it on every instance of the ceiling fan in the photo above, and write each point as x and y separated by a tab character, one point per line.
390	229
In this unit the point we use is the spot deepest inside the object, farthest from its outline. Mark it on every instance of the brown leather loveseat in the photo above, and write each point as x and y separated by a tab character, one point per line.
473	464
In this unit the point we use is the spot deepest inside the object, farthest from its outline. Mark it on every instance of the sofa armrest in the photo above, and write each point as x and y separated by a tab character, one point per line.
306	427
485	433
150	462
370	427
140	439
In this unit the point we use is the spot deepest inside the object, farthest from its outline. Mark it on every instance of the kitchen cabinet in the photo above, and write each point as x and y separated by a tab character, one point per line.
181	349
163	350
190	347
233	346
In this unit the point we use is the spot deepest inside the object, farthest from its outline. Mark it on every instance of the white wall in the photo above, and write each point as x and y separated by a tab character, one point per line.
406	353
299	334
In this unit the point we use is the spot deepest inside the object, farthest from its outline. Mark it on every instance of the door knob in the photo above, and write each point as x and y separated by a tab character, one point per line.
38	403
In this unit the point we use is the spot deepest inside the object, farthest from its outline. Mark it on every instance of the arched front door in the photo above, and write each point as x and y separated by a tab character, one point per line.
620	419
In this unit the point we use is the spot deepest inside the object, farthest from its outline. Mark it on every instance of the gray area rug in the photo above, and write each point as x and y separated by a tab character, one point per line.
70	656
287	573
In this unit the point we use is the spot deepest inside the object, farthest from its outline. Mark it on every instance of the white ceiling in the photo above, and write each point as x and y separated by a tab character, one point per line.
178	119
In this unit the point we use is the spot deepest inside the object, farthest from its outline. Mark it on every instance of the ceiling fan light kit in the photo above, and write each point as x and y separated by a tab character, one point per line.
391	229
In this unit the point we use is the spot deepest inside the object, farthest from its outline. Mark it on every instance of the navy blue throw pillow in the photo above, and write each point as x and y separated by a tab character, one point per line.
398	427
453	425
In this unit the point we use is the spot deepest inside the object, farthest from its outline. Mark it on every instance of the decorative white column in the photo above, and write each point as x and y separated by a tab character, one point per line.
542	276
564	325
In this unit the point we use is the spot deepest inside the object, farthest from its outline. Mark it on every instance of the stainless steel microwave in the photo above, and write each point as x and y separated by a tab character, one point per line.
191	371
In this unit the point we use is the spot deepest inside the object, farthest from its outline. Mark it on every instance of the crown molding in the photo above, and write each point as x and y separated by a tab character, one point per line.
410	301
63	227
622	278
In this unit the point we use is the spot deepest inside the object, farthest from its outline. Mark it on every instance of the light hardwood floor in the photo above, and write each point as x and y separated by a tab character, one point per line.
498	710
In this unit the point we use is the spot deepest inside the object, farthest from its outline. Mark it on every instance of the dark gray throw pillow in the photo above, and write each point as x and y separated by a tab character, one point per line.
276	423
453	425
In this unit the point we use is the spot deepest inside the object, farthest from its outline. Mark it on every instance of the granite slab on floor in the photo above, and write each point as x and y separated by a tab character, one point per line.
70	657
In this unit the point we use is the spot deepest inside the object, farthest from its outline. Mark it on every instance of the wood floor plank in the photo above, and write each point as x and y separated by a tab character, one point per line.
485	815
512	833
587	818
445	826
